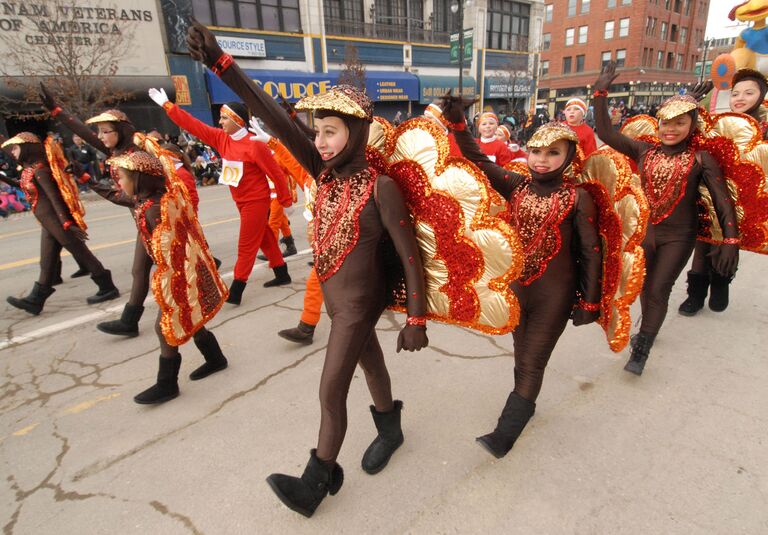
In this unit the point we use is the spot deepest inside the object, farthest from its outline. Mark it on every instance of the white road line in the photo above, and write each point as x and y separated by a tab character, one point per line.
93	316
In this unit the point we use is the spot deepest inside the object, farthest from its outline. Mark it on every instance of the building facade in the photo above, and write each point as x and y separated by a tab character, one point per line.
656	43
298	47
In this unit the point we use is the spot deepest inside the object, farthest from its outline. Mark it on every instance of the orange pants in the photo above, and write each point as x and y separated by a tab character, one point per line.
278	221
313	300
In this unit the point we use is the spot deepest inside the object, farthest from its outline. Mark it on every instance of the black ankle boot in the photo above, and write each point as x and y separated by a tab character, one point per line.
167	386
107	288
236	292
389	439
641	349
214	359
514	417
281	277
718	292
57	280
301	334
34	302
698	284
81	272
290	246
303	494
127	325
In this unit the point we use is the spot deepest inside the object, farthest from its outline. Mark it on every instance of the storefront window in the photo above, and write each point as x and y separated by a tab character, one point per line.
508	23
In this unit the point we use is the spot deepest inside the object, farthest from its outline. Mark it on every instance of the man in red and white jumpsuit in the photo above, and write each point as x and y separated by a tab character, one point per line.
245	167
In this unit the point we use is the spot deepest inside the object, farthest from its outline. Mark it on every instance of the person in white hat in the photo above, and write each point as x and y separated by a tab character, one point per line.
575	110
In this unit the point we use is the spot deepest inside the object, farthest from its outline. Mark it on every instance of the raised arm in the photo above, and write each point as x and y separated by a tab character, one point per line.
624	144
204	48
726	257
588	251
74	124
397	221
209	135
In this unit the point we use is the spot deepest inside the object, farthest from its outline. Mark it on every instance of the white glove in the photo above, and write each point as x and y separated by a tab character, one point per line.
158	96
261	135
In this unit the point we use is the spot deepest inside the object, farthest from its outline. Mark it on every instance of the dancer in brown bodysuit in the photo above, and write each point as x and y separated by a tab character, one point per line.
58	227
670	175
747	94
557	223
115	137
354	210
142	178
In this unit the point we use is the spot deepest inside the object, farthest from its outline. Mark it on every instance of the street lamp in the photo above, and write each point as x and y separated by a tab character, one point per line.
707	43
457	7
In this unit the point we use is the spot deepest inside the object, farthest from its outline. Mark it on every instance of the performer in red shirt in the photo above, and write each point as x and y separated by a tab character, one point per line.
496	150
504	133
435	114
575	110
245	166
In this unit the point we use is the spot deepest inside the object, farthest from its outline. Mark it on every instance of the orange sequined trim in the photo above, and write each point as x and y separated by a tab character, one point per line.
664	180
28	186
337	218
537	220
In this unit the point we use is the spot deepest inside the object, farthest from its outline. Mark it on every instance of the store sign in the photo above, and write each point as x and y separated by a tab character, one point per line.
242	47
508	87
435	87
393	90
126	35
181	84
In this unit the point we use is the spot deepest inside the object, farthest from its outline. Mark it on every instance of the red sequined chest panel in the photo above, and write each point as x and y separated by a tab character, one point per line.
28	186
337	218
664	180
537	220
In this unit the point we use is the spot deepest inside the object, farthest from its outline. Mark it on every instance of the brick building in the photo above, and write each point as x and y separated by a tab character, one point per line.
655	42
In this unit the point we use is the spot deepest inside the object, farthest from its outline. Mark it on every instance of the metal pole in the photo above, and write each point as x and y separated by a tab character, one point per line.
461	48
704	61
408	20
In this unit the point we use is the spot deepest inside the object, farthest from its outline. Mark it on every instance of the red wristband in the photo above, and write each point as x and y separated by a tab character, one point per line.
589	307
292	114
222	64
167	106
600	93
459	127
55	111
85	177
731	241
418	321
66	225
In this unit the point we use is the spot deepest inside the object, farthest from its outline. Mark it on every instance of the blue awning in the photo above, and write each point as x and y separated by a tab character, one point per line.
434	87
294	85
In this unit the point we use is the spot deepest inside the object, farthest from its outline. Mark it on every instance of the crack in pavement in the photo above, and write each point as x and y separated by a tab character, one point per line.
163	509
100	466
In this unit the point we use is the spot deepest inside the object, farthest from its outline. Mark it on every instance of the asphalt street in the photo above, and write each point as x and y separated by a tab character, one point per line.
682	449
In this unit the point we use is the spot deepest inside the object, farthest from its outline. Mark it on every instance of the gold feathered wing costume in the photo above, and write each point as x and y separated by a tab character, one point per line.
470	256
735	141
622	223
65	181
186	283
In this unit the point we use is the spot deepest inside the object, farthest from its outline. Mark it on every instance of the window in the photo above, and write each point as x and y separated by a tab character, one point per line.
583	30
611	3
571	8
546	40
580	63
623	27
396	13
277	15
605	58
687	7
683	34
659	59
351	11
663	35
548	14
545	68
650	57
584	6
566	65
569	36
677	6
679	64
621	57
673	33
670	60
507	25
608	34
626	2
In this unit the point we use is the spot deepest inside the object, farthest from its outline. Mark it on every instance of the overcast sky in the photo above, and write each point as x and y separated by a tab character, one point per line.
718	23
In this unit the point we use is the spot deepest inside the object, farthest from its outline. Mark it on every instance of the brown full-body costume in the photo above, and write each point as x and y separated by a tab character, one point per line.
52	213
670	177
142	263
353	213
